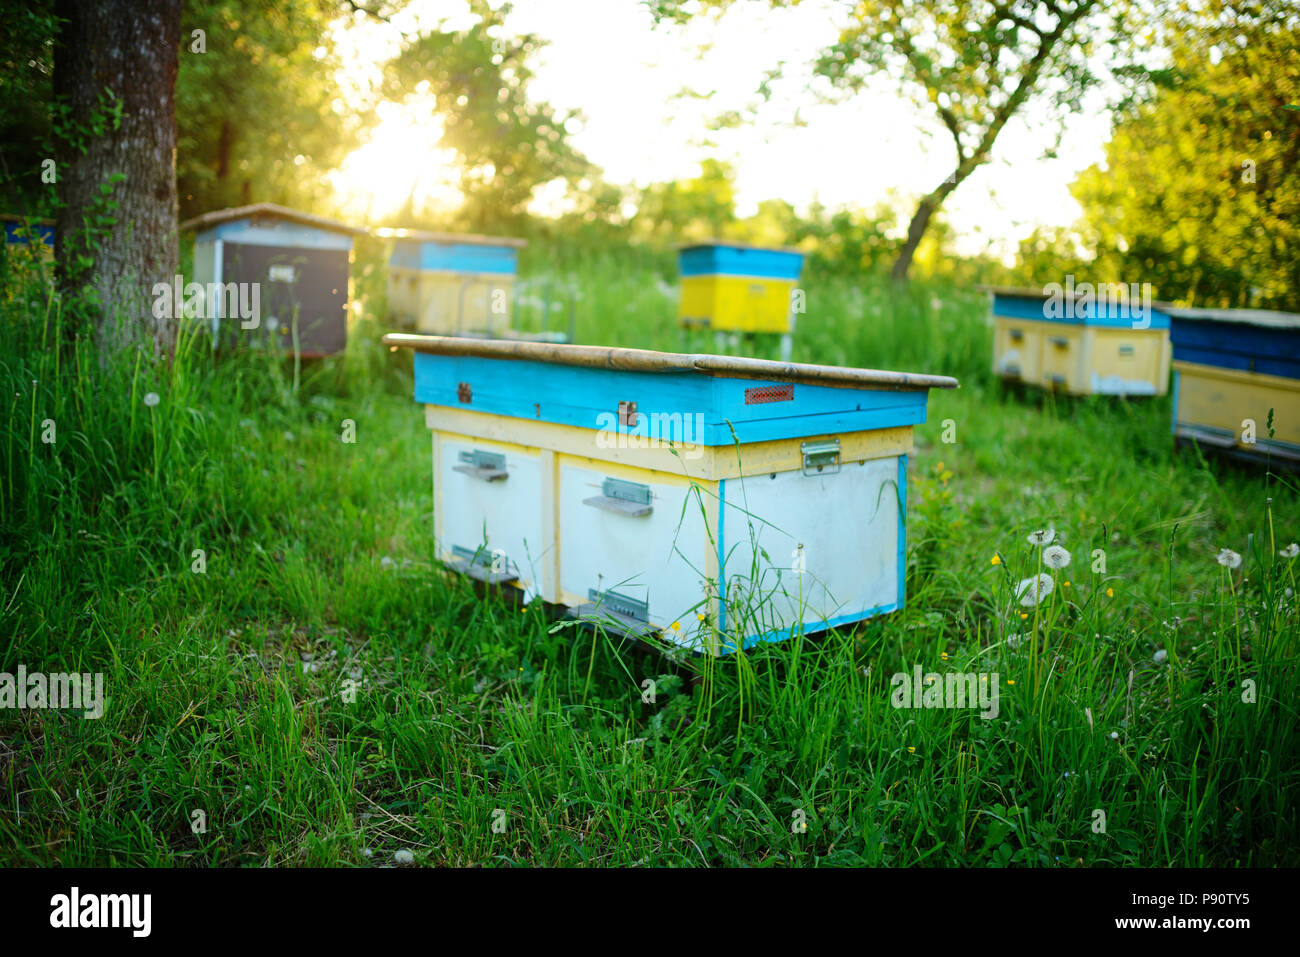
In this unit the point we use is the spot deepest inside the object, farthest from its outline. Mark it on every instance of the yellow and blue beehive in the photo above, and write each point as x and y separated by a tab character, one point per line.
452	283
1080	345
1237	382
28	241
732	287
711	500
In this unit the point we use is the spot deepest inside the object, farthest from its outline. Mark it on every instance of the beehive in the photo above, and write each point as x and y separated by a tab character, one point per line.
451	283
732	287
301	263
1236	375
1078	345
28	241
709	499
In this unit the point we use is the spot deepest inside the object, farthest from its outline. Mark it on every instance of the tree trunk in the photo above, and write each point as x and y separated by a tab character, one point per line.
122	170
925	211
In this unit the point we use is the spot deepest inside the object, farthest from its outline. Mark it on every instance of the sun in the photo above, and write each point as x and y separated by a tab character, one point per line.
401	157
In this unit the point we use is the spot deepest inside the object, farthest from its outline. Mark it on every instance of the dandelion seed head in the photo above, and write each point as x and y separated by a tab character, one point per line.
404	856
1228	558
151	399
1054	556
1114	735
1160	656
1031	591
1043	536
1291	551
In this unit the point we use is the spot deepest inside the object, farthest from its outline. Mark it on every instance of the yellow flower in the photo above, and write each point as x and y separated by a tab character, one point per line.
677	626
1011	681
1110	593
700	616
1024	615
1067	584
944	655
997	559
911	750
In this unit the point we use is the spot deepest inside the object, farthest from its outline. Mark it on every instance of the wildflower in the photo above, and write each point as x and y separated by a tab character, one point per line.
911	750
1160	656
1110	593
1228	558
404	857
1024	615
996	560
699	616
1031	591
677	626
1054	556
1044	536
1114	735
1291	551
1011	681
151	399
1067	584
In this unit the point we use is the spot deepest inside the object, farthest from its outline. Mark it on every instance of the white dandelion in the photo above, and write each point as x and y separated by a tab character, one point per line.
1054	556
1228	558
1291	551
1031	591
1044	536
1114	735
151	399
1160	656
404	856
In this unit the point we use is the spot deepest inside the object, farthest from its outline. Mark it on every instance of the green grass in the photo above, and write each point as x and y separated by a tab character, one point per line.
227	689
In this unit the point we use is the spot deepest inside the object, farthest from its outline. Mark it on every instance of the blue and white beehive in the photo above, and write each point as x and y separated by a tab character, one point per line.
711	500
301	264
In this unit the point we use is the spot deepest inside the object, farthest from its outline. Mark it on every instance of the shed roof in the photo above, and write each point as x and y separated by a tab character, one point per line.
645	360
270	210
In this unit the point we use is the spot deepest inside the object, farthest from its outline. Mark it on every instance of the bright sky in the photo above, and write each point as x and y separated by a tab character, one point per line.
606	59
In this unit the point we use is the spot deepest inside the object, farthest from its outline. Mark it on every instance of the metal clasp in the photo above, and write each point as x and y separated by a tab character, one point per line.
820	456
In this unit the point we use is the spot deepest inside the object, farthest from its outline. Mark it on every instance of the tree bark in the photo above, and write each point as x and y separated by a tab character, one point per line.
925	211
109	55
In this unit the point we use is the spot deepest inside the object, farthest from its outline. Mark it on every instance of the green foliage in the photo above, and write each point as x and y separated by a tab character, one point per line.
1200	192
508	145
228	688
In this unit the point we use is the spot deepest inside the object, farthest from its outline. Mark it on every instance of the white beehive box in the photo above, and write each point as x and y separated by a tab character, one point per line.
709	499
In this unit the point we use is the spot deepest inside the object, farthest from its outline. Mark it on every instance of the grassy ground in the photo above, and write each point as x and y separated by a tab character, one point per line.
231	737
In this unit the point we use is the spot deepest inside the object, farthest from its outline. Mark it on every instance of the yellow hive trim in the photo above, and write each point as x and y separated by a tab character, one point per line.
738	303
704	463
1224	398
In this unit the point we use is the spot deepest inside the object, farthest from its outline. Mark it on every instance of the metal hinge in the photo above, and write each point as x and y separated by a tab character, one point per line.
820	456
489	466
627	414
619	604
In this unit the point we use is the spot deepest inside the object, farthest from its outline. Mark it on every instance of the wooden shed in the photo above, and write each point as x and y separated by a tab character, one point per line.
452	283
737	288
301	265
1080	343
1236	376
710	500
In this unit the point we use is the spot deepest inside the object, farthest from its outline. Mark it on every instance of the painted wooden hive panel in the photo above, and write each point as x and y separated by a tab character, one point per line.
446	285
708	500
738	288
1081	347
1237	382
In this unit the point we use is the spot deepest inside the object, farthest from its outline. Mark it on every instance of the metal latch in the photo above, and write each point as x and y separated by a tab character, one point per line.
464	393
627	414
821	455
489	466
620	604
492	567
626	498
